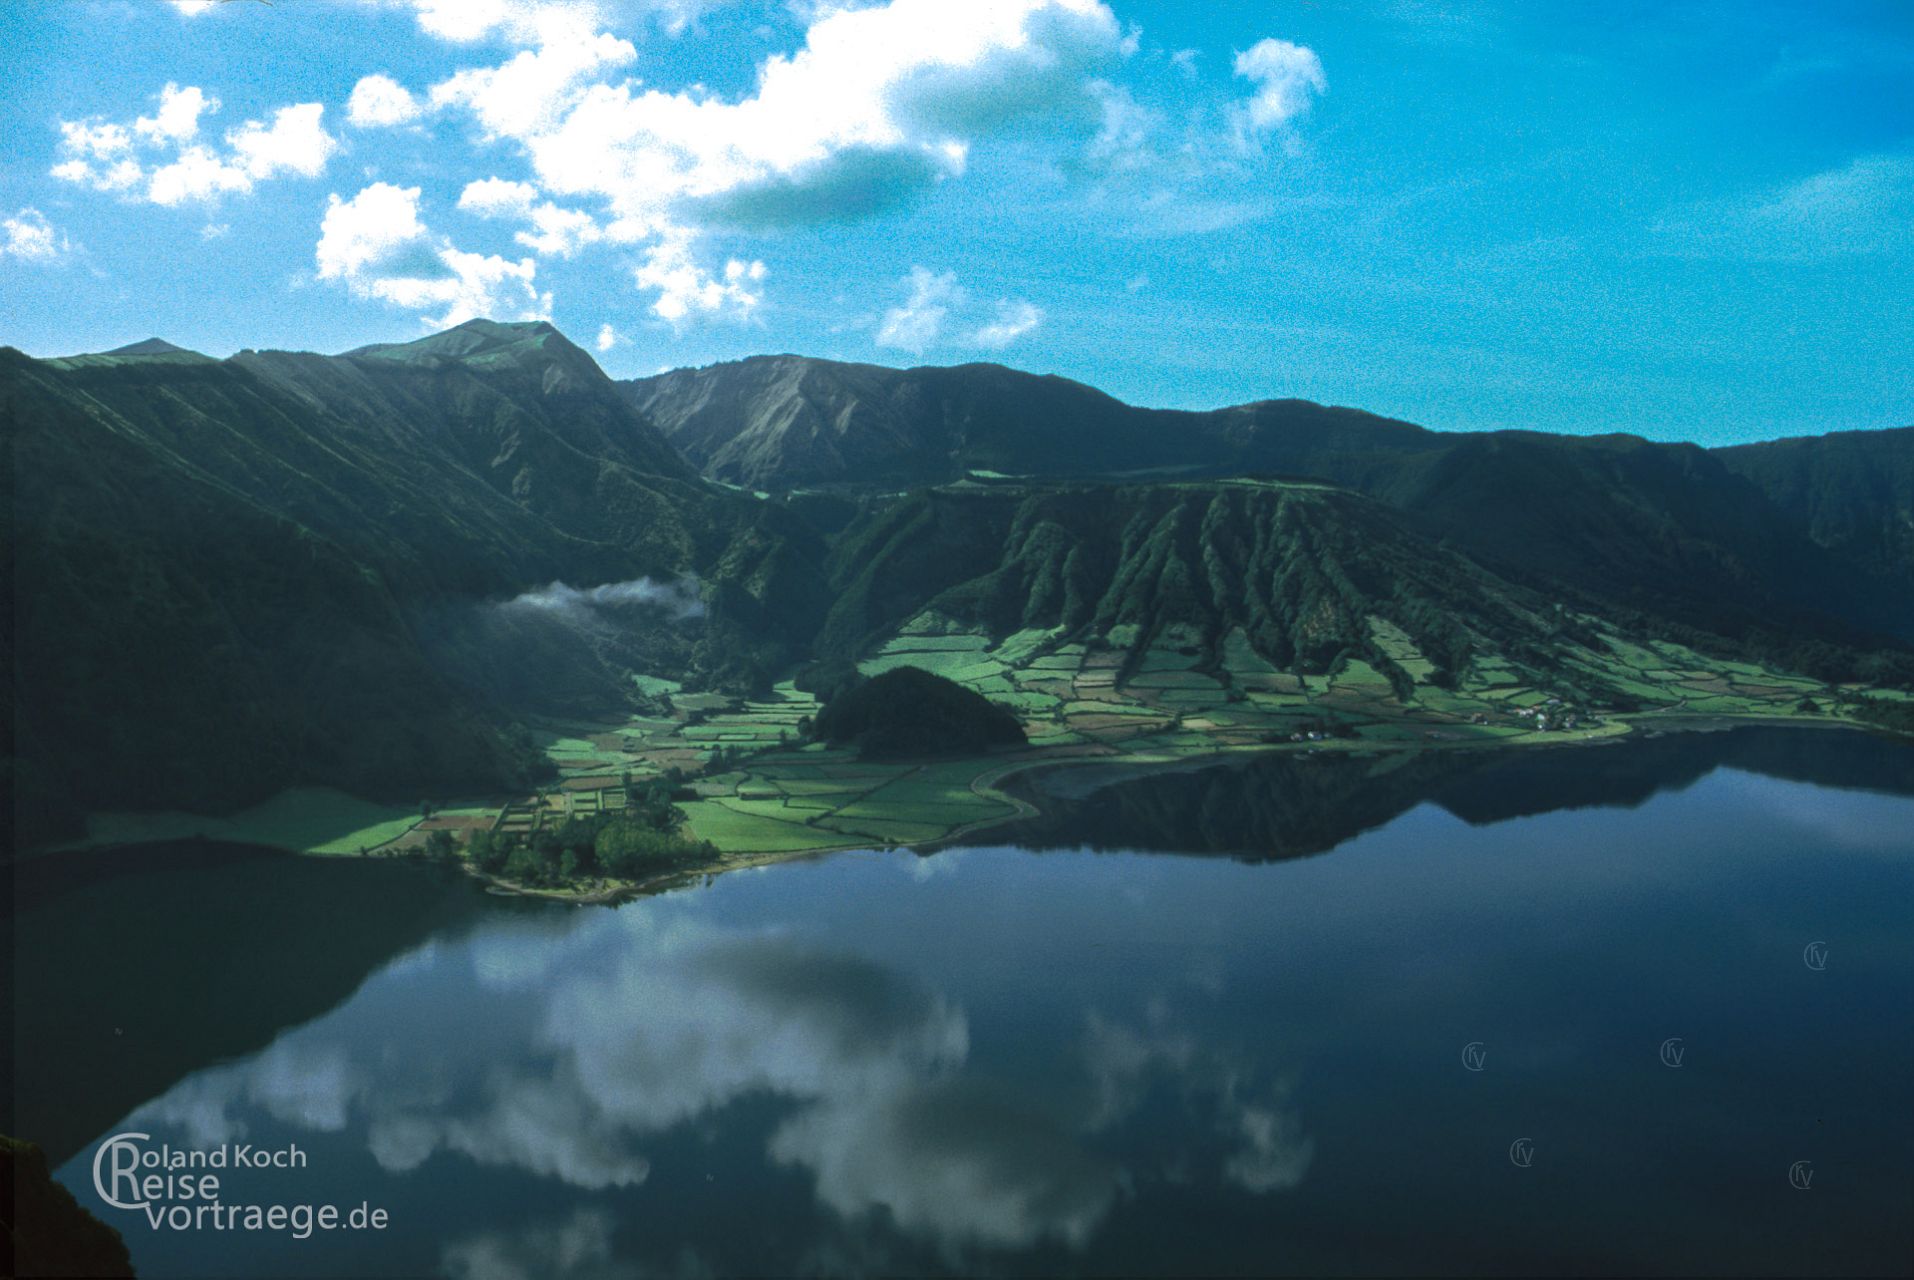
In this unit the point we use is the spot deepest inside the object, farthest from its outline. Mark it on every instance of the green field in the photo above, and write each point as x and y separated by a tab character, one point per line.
762	791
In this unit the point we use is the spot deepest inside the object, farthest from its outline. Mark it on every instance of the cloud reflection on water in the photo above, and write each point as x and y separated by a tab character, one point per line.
595	1034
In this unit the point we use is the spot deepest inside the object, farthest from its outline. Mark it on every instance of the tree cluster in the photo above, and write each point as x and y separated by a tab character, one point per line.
642	840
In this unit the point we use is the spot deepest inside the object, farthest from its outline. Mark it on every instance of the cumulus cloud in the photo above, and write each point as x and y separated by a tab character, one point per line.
379	100
1267	1149
378	247
498	198
1288	77
607	338
685	288
878	104
369	228
559	233
922	319
471	21
178	116
28	237
552	231
160	158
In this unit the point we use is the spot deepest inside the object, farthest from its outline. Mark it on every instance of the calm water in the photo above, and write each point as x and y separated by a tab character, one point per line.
1017	1059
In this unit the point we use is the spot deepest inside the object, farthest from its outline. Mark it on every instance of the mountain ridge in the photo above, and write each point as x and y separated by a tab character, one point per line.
1675	525
282	568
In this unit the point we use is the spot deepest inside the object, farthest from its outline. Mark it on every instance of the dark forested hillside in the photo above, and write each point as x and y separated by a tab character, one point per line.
1853	491
235	575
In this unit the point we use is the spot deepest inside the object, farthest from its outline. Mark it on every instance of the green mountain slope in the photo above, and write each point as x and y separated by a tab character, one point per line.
1270	576
236	575
1670	529
1299	568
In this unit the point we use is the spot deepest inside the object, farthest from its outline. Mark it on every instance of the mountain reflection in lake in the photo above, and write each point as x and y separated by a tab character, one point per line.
995	1059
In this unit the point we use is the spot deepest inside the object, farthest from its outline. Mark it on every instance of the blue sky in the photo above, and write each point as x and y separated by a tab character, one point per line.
1685	221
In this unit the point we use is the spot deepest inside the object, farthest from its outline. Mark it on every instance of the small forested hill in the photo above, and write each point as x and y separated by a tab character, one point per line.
907	713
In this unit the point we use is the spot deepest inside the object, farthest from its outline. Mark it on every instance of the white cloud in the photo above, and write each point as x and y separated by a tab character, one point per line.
554	232
498	198
1287	78
1015	317
524	21
296	142
925	316
29	237
378	247
214	231
178	116
478	285
379	100
114	157
85	140
920	320
526	96
368	229
637	1028
686	289
607	338
878	104
197	174
1275	1154
557	232
470	21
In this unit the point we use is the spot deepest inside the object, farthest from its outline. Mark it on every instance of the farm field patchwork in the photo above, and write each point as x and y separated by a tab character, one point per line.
753	786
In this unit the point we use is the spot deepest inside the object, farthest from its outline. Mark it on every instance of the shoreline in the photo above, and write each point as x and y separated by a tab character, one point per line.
1008	782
